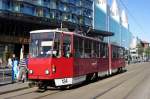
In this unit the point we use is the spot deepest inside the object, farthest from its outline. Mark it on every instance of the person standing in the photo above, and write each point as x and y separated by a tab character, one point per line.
1	62
22	70
9	62
14	68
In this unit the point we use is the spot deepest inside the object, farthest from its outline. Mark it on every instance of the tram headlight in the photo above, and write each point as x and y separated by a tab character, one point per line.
47	72
53	69
30	71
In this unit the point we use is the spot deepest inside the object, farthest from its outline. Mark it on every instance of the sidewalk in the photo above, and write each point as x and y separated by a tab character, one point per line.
2	83
13	87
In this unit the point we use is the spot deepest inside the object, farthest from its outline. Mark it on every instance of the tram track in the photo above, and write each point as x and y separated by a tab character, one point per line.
15	90
47	95
145	77
34	94
131	73
20	92
122	82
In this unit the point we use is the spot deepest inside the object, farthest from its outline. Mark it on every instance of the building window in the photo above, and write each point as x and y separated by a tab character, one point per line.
39	12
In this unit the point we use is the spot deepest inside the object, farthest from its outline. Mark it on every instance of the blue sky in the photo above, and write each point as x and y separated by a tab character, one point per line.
140	10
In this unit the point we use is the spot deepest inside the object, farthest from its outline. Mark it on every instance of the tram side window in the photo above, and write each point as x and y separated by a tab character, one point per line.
95	49
81	50
88	48
78	47
67	45
103	50
114	55
115	52
57	45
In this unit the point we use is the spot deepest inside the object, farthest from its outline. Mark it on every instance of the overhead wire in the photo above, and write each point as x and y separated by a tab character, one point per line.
132	16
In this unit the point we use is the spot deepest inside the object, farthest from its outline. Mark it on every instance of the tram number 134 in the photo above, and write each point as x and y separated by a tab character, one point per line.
65	80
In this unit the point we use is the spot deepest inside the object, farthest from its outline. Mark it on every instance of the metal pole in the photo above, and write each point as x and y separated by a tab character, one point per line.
3	74
61	25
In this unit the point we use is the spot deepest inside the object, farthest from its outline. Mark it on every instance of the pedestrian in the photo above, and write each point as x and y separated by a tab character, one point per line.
1	62
14	68
9	62
22	70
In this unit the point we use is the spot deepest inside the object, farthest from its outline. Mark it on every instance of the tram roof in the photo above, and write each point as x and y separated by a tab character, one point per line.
46	30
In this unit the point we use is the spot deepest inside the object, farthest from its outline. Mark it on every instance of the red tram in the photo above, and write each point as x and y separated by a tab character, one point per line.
59	58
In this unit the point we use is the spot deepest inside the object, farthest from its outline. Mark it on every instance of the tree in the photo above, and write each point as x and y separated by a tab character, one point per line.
147	52
140	49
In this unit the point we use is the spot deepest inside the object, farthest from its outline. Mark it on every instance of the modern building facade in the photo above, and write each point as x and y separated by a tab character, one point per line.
18	17
75	11
114	20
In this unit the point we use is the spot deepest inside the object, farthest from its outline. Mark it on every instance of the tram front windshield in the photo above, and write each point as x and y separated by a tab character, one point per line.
45	44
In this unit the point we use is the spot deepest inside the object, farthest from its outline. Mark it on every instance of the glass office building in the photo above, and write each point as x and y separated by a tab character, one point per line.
18	17
75	11
104	20
100	18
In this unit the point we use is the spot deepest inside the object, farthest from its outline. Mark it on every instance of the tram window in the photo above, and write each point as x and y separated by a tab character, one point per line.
115	52
57	45
87	48
67	46
103	50
98	49
81	50
78	47
95	49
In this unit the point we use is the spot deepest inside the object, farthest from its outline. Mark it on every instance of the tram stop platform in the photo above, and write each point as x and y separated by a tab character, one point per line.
13	87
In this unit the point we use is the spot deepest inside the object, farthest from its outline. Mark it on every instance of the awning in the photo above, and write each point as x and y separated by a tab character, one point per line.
94	32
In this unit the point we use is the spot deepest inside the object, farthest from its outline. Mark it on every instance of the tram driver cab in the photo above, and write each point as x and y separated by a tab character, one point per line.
50	44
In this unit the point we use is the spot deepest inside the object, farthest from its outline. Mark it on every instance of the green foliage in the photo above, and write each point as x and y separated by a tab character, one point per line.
140	49
147	51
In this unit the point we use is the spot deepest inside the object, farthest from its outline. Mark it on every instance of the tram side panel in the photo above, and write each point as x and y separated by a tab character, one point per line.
117	58
83	66
63	66
103	65
117	63
87	66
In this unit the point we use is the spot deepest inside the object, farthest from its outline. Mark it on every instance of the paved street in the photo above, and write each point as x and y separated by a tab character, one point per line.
133	84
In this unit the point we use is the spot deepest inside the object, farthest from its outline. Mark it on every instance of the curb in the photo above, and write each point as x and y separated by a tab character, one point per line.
3	84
